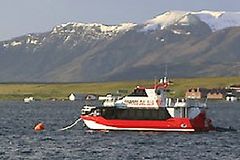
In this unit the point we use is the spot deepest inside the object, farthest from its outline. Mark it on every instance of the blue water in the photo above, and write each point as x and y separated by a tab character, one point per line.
19	141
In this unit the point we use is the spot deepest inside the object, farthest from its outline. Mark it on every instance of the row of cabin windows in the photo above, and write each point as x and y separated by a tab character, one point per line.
142	92
135	114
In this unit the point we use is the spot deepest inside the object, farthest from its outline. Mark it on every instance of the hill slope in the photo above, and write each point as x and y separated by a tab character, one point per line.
200	43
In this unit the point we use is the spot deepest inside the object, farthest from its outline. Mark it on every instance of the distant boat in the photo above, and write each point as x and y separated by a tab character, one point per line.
91	97
28	99
231	97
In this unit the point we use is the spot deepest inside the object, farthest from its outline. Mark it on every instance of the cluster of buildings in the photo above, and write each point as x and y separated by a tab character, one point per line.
82	97
231	93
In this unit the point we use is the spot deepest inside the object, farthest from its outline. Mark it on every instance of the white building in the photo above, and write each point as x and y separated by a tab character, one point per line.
71	97
76	97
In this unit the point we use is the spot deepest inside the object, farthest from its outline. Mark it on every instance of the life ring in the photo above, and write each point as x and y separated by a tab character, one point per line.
183	125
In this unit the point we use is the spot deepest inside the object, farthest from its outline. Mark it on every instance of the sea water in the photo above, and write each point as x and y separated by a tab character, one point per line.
18	140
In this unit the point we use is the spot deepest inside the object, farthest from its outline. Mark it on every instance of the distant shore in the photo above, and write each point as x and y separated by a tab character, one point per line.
60	91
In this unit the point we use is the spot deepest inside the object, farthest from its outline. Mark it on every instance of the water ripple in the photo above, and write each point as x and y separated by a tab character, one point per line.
20	141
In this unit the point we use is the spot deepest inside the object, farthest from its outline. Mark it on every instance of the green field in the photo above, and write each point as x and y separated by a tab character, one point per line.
62	90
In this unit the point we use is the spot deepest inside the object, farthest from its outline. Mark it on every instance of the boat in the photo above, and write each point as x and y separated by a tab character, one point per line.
28	99
148	109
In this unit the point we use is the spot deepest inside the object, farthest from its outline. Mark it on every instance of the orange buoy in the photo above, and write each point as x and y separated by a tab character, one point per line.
39	127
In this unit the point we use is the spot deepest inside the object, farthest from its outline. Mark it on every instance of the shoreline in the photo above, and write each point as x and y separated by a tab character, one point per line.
60	91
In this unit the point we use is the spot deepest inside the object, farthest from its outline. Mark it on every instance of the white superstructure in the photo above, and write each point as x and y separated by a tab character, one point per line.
154	97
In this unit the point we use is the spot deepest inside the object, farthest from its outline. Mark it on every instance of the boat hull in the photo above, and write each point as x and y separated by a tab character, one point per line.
171	124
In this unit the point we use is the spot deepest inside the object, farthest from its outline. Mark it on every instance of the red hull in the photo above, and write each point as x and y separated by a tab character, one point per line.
200	123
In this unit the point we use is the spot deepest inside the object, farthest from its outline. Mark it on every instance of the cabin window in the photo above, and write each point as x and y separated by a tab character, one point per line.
139	92
123	114
139	114
154	114
147	114
133	114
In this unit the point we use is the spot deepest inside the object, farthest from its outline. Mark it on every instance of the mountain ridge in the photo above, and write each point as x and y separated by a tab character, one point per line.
80	52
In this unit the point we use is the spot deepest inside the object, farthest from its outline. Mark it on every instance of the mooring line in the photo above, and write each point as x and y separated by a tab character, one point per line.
70	126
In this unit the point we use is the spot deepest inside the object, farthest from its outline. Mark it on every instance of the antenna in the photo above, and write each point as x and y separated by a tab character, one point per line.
166	70
155	82
165	74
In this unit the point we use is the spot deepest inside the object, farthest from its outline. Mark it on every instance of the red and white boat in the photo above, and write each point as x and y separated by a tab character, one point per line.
148	109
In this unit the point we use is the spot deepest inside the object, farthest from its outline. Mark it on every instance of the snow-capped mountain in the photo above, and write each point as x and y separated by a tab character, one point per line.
215	19
190	43
95	30
73	33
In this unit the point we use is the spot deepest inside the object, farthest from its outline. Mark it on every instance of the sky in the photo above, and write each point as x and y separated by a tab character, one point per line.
19	17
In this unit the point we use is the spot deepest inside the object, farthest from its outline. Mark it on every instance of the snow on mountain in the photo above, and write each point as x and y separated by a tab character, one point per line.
164	20
15	43
90	31
32	40
219	20
73	33
216	20
188	19
91	26
28	39
79	52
